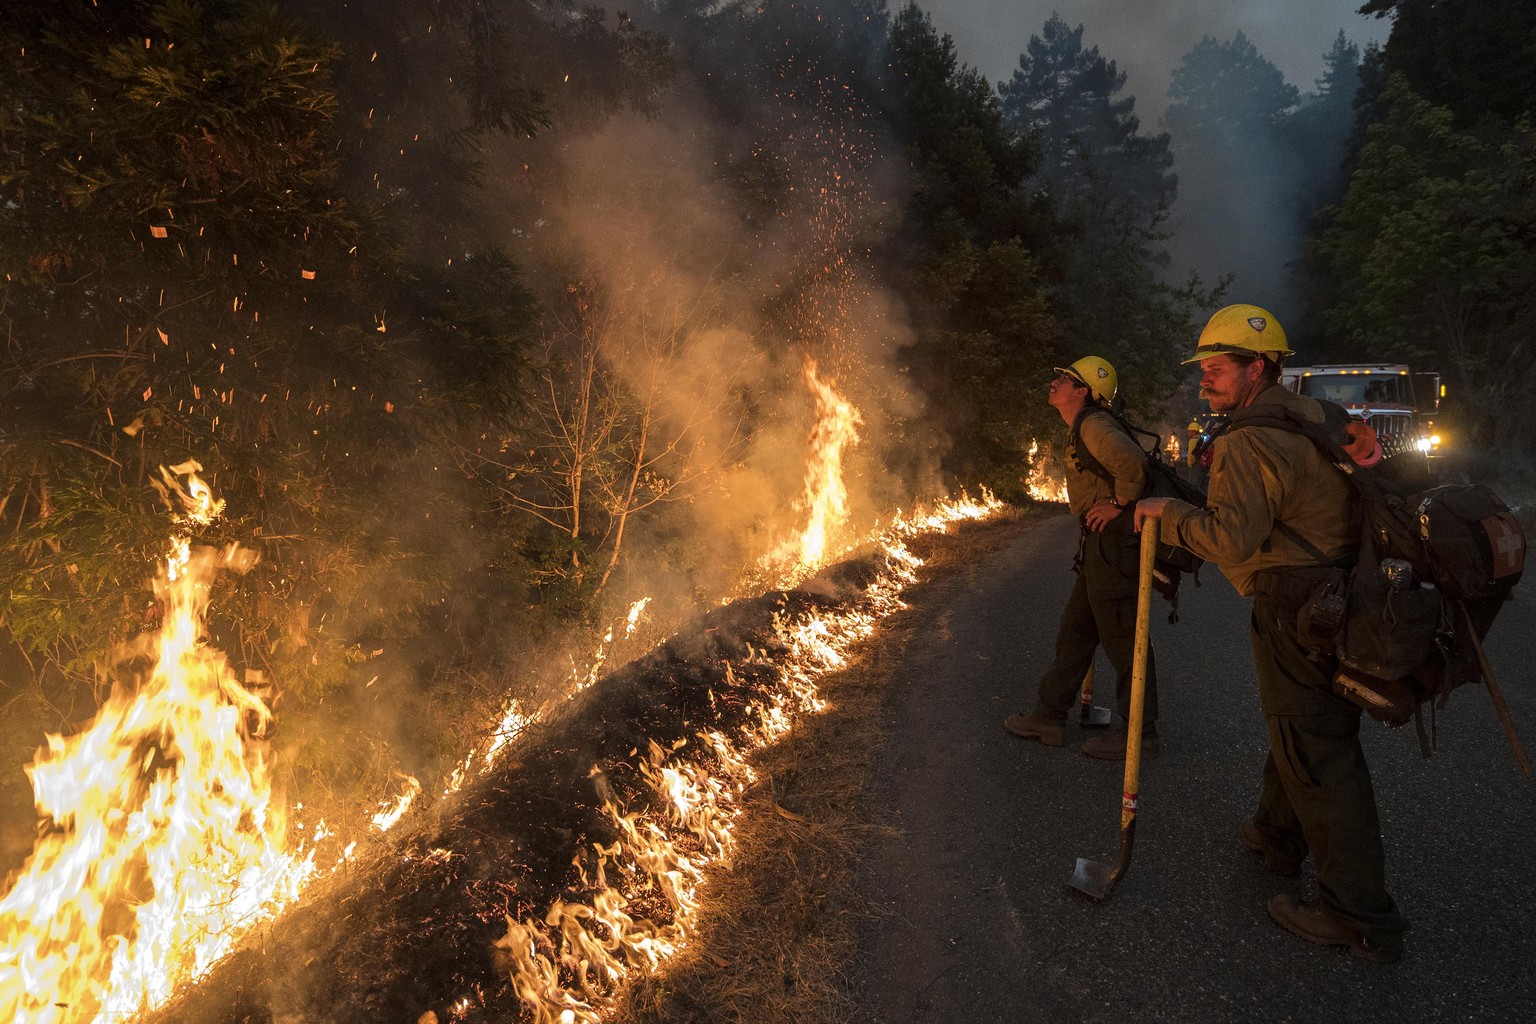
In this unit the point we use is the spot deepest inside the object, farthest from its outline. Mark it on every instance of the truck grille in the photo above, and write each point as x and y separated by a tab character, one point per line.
1394	431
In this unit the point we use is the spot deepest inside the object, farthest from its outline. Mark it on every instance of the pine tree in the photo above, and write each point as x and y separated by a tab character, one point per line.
1092	150
966	253
1476	58
1110	187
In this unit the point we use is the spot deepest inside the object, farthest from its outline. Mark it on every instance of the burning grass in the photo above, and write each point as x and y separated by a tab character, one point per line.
418	925
569	865
779	942
572	867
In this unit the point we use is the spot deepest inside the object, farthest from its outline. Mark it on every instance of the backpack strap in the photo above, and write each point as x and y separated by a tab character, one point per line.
1084	460
1328	436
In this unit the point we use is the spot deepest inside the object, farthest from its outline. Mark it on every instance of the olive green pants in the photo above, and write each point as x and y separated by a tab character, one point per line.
1101	610
1316	794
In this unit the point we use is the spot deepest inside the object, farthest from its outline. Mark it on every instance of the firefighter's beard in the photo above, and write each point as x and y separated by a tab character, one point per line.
1218	401
1230	394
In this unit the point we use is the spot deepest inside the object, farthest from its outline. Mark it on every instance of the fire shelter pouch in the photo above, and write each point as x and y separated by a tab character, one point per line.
1320	620
1392	701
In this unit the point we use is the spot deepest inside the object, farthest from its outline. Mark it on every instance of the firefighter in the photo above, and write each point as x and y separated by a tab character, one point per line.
1106	473
1276	511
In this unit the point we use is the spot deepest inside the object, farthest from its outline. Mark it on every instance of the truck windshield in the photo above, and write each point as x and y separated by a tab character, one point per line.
1359	388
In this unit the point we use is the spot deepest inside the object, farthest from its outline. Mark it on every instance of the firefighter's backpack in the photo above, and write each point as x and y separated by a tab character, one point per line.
1406	620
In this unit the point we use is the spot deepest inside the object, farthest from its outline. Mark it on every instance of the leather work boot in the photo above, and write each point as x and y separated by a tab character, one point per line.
1038	725
1274	861
1110	745
1317	924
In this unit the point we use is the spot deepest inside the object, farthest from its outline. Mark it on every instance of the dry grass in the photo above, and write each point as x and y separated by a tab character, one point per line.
779	936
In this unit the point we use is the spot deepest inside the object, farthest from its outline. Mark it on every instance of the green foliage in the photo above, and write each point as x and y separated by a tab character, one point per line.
963	258
191	271
1431	252
1094	159
1320	128
967	164
1476	58
422	85
1220	92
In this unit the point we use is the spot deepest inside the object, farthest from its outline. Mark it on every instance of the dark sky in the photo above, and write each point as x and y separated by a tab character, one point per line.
1147	38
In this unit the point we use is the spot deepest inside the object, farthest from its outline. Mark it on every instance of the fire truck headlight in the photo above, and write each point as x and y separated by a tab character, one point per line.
1425	444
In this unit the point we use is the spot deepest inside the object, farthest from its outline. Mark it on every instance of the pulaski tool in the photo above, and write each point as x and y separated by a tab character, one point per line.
1091	878
1089	716
1495	693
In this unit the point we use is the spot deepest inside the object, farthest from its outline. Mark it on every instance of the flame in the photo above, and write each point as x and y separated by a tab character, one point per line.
515	719
163	846
1043	486
386	818
571	967
825	498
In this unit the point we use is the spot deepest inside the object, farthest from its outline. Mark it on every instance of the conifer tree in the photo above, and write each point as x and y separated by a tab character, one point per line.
966	253
1092	148
1110	187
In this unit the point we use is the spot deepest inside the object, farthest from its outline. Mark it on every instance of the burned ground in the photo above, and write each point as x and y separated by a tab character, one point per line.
404	931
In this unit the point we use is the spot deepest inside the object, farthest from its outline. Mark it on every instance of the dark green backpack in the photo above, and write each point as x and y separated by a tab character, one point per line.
1406	620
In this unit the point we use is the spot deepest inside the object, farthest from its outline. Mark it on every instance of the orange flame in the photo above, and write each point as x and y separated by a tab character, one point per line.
824	499
571	967
166	849
515	718
163	846
1043	486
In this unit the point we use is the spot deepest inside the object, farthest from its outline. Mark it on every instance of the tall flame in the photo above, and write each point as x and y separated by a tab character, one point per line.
165	848
162	845
824	499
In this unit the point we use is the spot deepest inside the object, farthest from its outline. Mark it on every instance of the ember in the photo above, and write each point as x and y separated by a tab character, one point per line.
570	867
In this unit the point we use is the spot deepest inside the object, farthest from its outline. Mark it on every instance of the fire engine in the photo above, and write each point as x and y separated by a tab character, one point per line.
1400	405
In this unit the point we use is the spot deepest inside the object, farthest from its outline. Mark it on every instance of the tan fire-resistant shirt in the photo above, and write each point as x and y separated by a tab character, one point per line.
1261	476
1117	452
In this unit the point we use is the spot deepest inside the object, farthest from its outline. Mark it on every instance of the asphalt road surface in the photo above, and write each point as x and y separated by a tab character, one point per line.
977	922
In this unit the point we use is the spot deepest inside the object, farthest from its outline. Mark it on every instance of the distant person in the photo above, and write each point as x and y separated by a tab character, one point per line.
1106	473
1276	511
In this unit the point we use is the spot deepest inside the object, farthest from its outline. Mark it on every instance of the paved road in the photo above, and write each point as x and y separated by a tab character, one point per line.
978	923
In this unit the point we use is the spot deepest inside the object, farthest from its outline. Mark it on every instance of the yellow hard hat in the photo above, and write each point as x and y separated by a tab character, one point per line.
1096	375
1242	328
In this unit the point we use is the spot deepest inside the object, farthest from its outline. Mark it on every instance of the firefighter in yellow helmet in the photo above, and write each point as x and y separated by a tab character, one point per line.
1096	375
1106	473
1278	514
1245	331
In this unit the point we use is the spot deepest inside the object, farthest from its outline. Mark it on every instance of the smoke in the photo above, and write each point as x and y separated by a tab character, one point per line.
1241	218
1147	40
702	320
